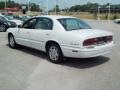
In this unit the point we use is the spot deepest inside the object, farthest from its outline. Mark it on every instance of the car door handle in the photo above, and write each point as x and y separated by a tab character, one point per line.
47	34
28	32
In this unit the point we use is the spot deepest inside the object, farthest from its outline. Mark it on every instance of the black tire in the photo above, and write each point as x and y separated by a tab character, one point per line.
55	56
3	28
11	41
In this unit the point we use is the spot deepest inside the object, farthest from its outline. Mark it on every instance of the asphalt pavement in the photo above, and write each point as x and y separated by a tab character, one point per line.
29	69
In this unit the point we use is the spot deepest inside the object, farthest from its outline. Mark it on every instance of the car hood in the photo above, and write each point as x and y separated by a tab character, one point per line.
90	33
18	22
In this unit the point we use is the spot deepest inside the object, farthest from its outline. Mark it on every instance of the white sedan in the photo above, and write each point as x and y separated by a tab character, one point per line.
61	36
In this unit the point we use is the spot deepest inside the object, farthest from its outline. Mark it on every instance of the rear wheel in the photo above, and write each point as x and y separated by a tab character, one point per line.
55	54
2	28
11	41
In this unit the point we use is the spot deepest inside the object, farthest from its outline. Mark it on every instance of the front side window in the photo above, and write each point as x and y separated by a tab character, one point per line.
44	23
30	23
73	24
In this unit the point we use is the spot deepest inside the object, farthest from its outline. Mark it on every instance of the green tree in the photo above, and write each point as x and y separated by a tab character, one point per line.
115	17
34	7
57	9
2	5
84	7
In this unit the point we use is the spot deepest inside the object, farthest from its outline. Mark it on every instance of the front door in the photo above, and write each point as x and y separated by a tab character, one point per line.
24	32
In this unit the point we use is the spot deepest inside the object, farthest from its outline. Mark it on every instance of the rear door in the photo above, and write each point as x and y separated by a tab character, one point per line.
43	31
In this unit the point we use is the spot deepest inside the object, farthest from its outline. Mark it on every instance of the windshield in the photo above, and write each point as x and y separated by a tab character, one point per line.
24	18
9	17
2	19
73	24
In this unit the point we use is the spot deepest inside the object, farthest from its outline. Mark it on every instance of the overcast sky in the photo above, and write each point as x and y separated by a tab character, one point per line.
66	3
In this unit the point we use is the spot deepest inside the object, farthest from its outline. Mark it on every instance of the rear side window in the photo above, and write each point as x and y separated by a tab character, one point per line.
44	23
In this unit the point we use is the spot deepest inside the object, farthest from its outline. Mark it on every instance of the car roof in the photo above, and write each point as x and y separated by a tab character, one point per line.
55	16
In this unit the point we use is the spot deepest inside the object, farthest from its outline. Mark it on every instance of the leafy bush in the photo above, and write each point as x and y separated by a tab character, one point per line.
115	17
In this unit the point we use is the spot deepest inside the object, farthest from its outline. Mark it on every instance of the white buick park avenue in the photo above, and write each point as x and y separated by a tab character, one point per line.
61	36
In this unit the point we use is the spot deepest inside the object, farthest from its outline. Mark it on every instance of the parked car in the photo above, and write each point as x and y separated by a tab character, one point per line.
4	24
7	13
117	21
22	18
11	18
61	36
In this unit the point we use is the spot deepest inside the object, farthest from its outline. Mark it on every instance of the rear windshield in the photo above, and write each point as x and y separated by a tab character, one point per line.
73	24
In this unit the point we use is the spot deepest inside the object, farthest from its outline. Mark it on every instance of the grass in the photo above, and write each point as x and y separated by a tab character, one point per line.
83	15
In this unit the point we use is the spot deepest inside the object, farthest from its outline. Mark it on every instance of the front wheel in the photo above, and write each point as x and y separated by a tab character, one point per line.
11	41
2	28
55	54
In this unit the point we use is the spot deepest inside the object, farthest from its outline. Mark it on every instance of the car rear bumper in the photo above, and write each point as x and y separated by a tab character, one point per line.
87	52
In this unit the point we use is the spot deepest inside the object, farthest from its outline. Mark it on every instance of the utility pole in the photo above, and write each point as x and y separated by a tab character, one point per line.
98	12
55	7
47	7
40	5
5	5
28	7
62	3
109	12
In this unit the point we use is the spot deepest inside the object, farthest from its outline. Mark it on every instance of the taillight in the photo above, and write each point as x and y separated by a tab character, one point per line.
109	38
97	40
89	42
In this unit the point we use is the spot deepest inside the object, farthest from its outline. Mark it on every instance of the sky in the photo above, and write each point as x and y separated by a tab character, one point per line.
65	3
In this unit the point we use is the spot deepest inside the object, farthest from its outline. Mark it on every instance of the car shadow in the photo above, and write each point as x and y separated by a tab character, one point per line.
70	62
31	51
86	62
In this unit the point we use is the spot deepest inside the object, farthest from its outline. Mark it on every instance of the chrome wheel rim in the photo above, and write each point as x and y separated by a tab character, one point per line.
53	53
2	28
11	40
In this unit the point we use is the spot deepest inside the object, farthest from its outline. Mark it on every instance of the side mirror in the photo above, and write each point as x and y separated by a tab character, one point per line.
19	26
